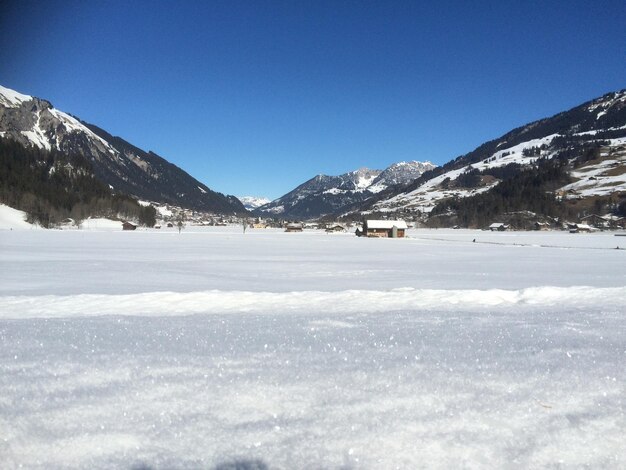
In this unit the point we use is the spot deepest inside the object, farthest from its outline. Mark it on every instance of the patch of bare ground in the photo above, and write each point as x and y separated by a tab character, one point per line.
615	171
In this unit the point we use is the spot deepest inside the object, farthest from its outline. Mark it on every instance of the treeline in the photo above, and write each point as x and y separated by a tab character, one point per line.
51	186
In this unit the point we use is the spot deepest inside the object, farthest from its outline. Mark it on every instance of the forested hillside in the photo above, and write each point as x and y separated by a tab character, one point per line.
52	186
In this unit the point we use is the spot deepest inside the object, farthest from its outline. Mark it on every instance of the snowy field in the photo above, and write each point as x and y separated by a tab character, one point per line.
212	349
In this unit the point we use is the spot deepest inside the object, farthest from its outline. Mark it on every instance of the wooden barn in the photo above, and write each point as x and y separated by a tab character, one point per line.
384	228
293	228
595	221
498	227
335	228
128	226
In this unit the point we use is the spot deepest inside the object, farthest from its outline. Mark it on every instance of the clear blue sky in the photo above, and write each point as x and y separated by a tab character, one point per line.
255	97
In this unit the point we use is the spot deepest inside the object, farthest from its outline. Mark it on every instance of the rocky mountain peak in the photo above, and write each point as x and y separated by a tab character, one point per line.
120	165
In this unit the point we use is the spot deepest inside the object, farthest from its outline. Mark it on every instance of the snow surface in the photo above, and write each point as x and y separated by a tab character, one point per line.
73	125
253	202
153	349
12	219
601	178
37	136
164	211
363	182
100	224
11	98
386	224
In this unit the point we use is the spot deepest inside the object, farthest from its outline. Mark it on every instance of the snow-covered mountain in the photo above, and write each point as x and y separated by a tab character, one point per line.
253	202
589	139
325	194
125	168
400	173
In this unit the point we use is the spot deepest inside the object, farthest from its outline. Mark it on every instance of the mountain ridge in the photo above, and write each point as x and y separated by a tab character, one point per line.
326	194
595	128
122	166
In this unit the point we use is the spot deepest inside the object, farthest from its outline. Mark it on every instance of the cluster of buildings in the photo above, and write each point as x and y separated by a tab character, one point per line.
170	215
587	223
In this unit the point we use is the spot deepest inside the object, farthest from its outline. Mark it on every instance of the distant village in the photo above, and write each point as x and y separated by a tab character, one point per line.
383	227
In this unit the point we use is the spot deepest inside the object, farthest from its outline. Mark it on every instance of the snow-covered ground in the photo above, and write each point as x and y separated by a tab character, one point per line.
600	178
12	219
155	349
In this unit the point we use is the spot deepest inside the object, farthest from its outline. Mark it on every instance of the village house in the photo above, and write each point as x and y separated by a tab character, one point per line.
293	227
383	228
335	228
498	227
578	228
595	221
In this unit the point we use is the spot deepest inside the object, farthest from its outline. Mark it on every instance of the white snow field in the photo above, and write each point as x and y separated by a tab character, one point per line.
269	350
13	219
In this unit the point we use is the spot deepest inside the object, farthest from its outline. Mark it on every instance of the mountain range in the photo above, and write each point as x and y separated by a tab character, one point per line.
587	144
323	194
564	166
578	158
117	163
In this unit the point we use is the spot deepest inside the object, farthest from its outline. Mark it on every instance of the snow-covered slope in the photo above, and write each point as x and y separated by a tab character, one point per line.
399	174
328	194
12	219
253	202
601	177
601	122
433	191
35	122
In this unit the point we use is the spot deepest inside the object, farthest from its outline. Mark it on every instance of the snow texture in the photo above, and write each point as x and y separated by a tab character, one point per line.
11	98
253	202
37	135
11	219
213	348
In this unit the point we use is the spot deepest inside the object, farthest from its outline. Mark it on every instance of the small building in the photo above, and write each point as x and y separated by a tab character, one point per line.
384	228
498	227
578	228
128	226
619	222
542	226
259	225
293	228
335	228
595	221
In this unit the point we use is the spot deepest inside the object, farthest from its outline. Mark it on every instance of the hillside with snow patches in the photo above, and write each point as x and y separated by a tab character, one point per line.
123	167
601	121
325	194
